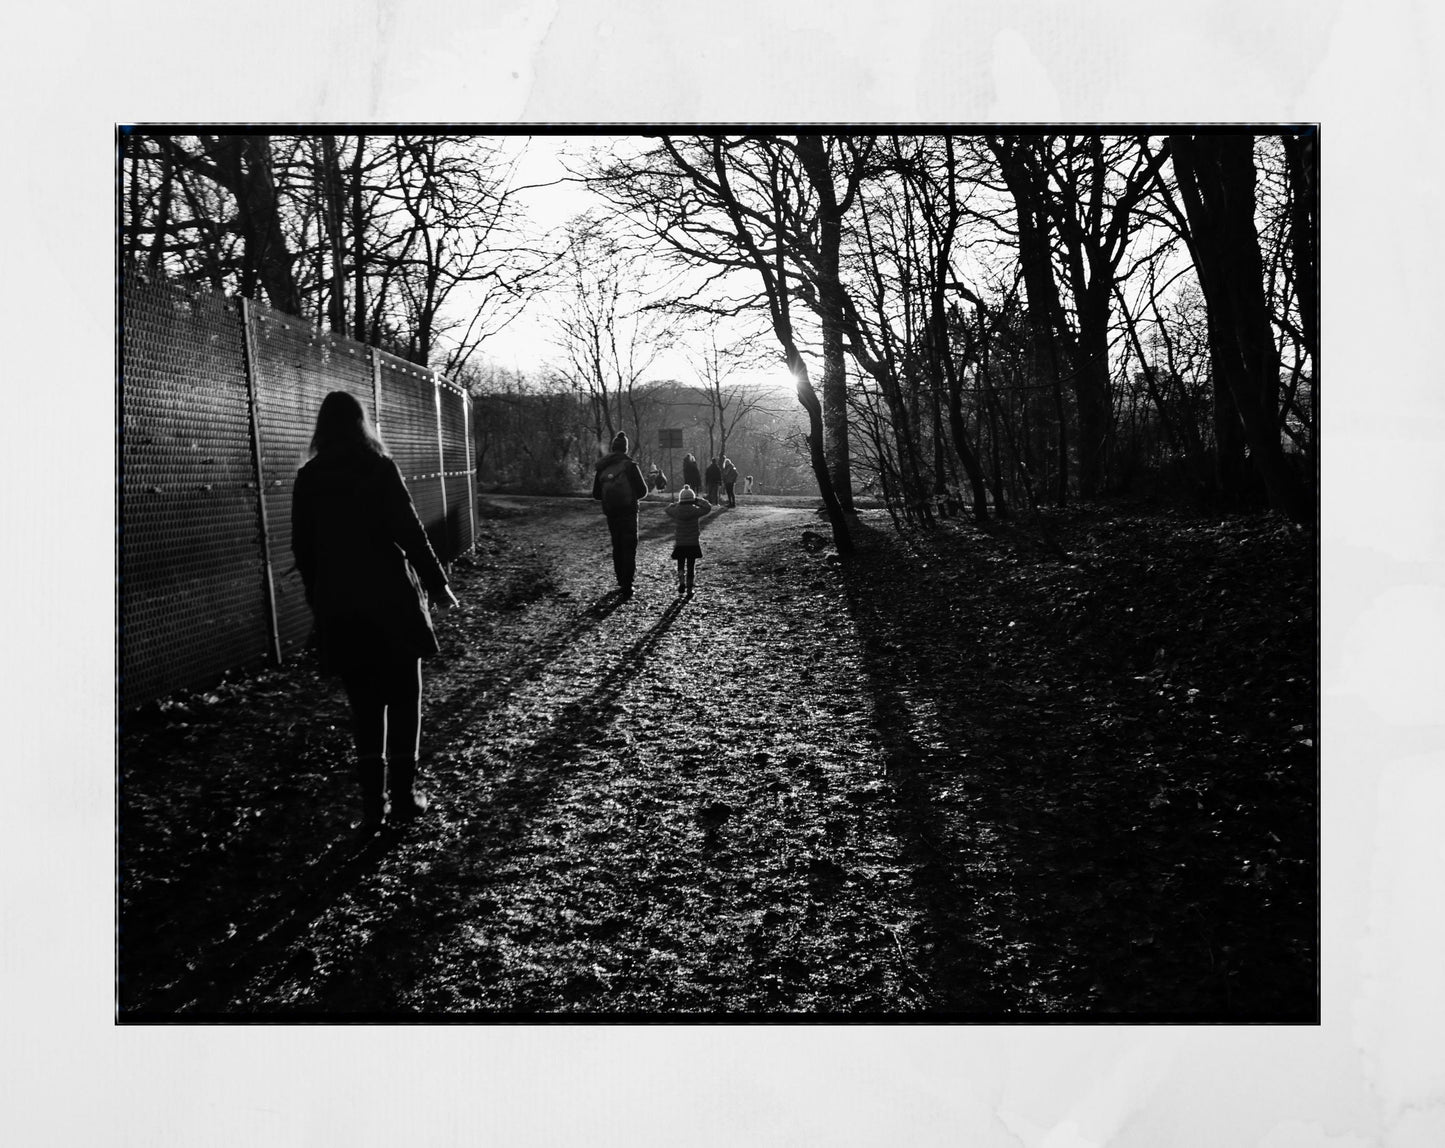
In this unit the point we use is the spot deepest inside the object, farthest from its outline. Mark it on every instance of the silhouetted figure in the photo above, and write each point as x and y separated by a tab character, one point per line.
369	571
687	511
730	478
714	480
618	485
691	475
656	479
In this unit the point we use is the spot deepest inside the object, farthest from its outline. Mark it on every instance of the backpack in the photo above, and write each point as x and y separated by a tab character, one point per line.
730	474
616	490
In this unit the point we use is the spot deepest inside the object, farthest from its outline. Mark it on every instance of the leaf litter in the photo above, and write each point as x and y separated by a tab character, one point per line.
977	774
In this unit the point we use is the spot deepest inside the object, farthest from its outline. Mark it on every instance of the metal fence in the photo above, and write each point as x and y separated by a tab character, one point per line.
218	401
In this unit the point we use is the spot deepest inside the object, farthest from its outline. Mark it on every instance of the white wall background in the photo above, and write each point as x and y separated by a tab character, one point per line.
1373	1073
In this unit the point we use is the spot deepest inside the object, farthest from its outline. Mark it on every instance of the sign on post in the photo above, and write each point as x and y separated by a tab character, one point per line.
670	439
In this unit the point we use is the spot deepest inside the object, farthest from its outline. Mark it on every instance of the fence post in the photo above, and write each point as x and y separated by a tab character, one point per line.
272	622
375	357
436	391
471	468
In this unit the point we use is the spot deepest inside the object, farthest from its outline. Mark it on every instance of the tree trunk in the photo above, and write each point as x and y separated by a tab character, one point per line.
261	219
1045	312
1302	154
837	513
991	404
835	414
1216	182
1231	465
163	212
961	445
814	157
335	245
1092	393
358	245
940	455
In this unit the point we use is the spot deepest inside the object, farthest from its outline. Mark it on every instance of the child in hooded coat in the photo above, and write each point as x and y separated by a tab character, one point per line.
687	512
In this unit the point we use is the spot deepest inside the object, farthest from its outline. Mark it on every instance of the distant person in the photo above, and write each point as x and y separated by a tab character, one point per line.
714	478
618	485
691	476
730	478
656	479
748	485
369	572
687	512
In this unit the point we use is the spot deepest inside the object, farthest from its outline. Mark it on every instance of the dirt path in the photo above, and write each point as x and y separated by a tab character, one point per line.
660	805
982	785
627	822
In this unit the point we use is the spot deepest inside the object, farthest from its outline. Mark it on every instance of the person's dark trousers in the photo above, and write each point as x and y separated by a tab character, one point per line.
732	501
386	708
623	528
685	572
385	702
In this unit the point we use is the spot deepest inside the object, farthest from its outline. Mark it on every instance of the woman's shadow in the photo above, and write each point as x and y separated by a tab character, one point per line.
265	934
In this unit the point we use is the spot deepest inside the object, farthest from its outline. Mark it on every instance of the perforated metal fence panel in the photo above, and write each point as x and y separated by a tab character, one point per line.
408	423
457	472
190	539
296	367
196	589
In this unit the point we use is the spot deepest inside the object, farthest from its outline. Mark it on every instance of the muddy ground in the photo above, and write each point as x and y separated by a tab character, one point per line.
1064	769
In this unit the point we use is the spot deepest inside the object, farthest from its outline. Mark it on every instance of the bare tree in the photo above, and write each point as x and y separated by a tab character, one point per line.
603	328
194	222
730	399
747	203
412	242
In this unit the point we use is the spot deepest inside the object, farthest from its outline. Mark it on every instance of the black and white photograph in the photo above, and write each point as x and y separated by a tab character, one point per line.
1026	735
719	574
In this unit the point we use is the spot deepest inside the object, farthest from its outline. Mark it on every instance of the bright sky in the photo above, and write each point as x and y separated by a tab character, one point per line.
525	344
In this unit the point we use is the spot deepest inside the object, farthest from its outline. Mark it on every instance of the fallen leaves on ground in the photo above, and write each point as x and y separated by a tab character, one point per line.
1060	768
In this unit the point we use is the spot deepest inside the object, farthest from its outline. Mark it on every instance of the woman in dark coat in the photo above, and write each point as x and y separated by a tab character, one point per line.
714	480
368	570
691	476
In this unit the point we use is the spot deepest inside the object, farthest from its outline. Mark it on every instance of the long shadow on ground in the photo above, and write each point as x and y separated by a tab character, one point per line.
229	912
442	894
1066	862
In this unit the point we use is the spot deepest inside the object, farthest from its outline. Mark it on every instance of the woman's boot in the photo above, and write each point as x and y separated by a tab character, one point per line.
406	803
371	773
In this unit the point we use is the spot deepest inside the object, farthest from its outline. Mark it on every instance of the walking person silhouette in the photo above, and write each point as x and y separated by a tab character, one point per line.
691	475
714	479
618	485
730	478
369	572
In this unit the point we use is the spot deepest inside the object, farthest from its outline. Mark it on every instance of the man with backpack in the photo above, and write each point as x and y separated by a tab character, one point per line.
618	485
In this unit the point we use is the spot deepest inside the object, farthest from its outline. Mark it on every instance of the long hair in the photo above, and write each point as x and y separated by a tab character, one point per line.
342	424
